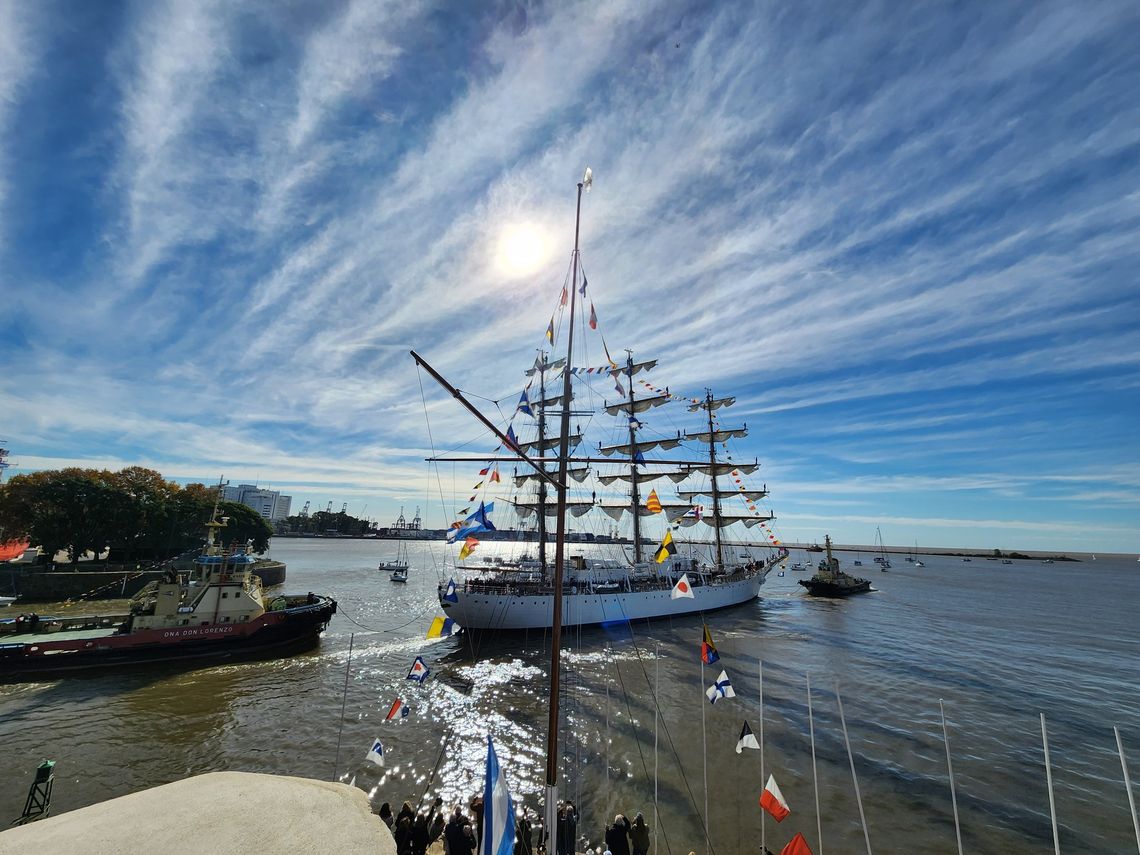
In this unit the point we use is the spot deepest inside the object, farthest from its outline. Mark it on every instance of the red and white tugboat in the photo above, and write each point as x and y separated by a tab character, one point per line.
215	612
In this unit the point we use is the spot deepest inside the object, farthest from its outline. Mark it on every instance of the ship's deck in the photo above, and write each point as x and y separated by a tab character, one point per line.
62	635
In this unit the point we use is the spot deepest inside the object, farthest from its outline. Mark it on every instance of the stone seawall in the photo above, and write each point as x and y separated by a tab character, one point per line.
35	585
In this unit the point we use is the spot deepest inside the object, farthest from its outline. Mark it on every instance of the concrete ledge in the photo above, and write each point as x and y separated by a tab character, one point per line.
218	813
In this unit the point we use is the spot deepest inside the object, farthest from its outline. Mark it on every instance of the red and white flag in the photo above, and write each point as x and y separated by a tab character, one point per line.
772	800
682	588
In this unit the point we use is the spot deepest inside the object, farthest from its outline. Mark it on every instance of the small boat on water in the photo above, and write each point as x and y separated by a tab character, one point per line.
397	570
830	581
217	611
881	559
1006	561
800	566
7	601
857	563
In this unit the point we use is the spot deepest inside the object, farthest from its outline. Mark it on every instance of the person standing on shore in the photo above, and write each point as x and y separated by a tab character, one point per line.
639	835
617	836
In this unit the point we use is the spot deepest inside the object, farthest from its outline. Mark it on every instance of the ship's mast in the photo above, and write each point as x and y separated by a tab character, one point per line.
712	477
541	446
634	494
551	823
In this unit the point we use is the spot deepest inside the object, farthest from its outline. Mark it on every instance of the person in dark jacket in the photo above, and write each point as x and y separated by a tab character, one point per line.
420	835
639	835
617	836
524	837
403	836
567	829
386	815
453	833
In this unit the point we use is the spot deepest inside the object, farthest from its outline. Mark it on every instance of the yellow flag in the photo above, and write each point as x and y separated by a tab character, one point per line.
653	504
668	547
468	547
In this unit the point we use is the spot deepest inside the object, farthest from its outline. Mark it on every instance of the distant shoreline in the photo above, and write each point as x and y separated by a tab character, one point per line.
951	552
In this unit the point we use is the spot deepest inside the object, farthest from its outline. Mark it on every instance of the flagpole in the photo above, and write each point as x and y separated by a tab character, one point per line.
950	772
343	698
763	842
851	760
656	695
705	755
814	775
1127	785
1049	781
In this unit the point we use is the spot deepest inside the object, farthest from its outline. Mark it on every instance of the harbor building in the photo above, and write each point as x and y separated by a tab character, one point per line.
269	503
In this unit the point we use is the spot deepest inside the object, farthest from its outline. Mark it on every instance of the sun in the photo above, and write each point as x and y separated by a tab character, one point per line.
523	248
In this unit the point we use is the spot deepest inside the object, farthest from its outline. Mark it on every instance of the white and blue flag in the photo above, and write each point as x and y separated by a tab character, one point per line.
498	810
449	592
375	753
722	688
419	670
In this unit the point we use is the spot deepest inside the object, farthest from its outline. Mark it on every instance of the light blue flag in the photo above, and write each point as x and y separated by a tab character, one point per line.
498	810
477	522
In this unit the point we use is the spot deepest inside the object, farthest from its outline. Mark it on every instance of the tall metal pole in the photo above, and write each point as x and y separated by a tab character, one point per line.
343	698
950	772
854	777
814	774
1049	781
656	695
1127	785
705	755
763	780
560	545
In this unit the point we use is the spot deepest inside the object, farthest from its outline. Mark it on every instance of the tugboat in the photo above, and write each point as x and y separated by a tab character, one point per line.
216	611
830	581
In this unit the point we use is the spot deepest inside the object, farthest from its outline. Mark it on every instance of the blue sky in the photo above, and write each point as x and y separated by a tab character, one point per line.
905	237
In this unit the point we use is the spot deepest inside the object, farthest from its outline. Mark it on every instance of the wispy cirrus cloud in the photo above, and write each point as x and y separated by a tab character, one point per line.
904	243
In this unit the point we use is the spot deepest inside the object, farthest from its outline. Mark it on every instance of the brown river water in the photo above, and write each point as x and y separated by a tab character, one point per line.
999	644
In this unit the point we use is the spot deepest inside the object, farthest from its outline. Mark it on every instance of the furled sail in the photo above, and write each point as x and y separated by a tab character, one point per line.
550	442
578	474
553	401
539	365
638	406
725	468
715	404
689	495
629	371
675	476
647	445
718	435
721	520
576	507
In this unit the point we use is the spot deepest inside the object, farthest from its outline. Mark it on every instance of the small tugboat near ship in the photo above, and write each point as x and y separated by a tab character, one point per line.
217	611
830	581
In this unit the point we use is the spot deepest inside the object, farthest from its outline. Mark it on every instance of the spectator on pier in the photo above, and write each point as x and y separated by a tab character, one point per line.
405	811
567	829
524	837
639	835
435	829
403	835
453	833
617	836
477	813
386	815
469	844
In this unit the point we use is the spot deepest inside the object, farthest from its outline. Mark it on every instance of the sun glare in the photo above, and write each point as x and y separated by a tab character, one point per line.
522	250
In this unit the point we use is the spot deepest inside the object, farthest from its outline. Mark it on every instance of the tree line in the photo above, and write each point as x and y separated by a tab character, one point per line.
134	514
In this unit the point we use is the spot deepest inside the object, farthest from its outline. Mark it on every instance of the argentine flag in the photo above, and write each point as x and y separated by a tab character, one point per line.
498	810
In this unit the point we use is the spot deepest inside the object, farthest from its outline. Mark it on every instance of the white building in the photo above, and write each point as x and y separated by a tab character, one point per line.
269	503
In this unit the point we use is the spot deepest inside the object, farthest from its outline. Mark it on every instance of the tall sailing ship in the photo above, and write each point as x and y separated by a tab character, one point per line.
646	572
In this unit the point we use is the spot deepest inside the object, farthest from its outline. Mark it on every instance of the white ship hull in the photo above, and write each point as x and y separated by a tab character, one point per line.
482	611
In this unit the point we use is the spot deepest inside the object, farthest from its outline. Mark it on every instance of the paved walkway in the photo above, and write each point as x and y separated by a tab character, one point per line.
220	813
